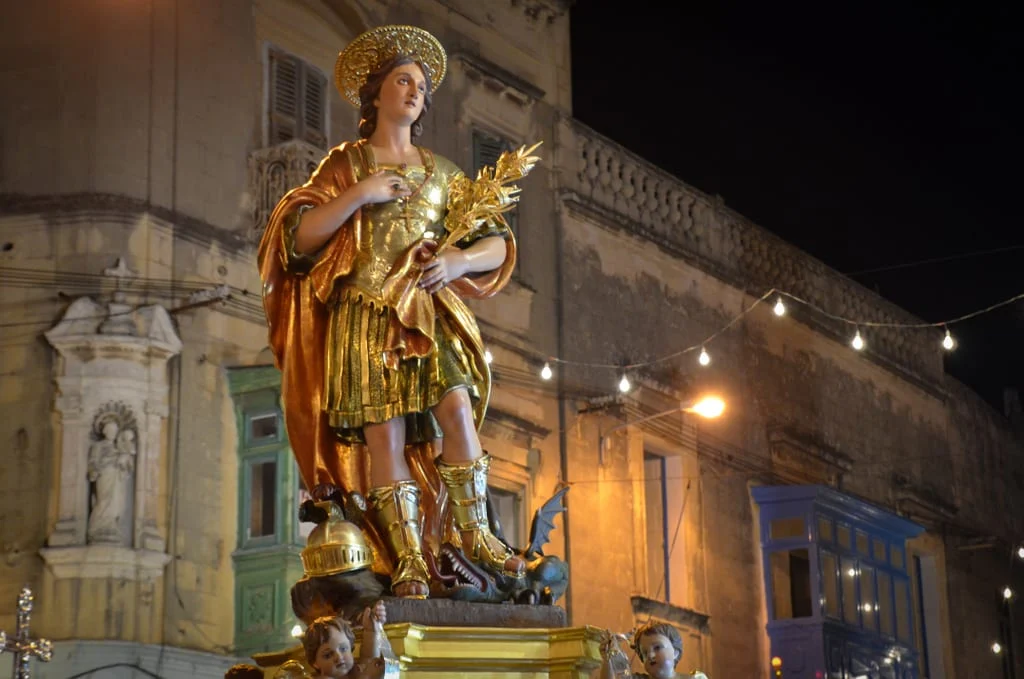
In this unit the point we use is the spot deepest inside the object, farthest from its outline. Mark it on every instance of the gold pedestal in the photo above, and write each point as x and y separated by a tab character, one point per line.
481	652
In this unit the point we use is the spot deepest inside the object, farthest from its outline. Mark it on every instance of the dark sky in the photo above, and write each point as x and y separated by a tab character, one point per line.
869	134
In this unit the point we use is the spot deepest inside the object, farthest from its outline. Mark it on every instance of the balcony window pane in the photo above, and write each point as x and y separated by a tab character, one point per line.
843	533
830	583
869	603
885	603
851	608
824	529
262	498
791	527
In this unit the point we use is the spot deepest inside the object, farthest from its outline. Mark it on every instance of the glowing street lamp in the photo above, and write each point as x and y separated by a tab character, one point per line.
706	406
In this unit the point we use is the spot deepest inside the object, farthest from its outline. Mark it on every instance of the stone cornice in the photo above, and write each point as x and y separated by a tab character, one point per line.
499	78
123	209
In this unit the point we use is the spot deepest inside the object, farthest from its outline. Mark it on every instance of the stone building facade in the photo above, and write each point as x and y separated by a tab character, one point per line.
145	147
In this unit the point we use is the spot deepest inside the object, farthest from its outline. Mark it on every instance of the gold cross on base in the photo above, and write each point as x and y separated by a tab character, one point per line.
23	647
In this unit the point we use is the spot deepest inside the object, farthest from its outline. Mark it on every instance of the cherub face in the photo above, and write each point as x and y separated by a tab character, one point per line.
659	656
334	657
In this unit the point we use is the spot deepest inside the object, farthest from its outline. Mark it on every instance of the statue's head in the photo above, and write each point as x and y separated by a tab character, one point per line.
110	430
243	671
659	647
391	71
328	644
399	89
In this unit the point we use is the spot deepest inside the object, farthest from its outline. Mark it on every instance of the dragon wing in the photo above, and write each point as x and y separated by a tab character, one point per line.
544	522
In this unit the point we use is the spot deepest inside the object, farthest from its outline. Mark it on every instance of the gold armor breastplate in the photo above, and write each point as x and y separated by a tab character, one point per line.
389	229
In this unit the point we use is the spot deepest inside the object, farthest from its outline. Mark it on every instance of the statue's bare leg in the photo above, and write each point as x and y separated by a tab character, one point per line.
386	444
464	470
395	499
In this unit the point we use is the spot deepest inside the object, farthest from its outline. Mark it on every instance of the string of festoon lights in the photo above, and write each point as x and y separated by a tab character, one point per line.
857	340
1008	594
857	343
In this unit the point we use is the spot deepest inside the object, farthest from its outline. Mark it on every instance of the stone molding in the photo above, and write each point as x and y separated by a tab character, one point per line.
545	11
105	562
612	185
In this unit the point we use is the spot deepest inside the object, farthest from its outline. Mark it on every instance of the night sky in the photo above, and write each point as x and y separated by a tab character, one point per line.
868	134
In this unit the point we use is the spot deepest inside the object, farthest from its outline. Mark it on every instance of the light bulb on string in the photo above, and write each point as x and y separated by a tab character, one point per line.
1007	593
488	356
1020	552
857	342
624	385
545	372
779	308
997	648
704	358
947	342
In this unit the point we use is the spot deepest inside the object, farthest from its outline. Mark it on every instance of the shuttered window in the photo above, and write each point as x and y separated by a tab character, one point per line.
298	101
486	149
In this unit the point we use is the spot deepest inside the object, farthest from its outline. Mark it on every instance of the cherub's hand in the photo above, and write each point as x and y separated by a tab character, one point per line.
372	616
609	643
380	612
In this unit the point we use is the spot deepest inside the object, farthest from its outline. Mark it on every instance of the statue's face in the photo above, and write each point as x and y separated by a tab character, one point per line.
402	94
334	657
659	656
110	431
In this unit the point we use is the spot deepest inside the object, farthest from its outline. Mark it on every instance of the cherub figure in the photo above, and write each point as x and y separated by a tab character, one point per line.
659	647
329	644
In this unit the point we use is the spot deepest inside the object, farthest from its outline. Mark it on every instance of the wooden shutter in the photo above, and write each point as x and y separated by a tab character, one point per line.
486	149
298	101
285	74
314	104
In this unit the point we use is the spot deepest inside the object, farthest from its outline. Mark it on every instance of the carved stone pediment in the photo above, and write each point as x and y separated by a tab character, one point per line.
798	457
505	426
498	80
922	502
682	617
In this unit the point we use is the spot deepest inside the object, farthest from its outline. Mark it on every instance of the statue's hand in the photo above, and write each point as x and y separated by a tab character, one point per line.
440	270
382	187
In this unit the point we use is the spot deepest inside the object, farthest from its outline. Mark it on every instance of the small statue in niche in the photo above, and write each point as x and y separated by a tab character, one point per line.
111	465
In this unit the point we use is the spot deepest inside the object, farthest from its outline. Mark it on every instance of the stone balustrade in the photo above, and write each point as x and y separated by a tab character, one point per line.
637	195
273	171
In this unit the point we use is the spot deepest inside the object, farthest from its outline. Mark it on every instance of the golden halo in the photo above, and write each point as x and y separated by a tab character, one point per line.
368	51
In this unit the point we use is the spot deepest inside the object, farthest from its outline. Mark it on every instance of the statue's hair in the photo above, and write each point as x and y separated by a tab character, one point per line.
370	90
317	633
243	671
662	628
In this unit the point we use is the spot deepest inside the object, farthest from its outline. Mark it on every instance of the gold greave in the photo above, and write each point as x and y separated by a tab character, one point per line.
467	495
397	512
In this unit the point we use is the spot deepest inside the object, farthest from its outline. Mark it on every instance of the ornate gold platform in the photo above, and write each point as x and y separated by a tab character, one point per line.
481	652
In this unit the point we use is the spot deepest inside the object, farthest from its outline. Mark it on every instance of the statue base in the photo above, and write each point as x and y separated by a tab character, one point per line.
491	652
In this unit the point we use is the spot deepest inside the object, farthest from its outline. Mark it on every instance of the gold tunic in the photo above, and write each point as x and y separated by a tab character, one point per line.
361	385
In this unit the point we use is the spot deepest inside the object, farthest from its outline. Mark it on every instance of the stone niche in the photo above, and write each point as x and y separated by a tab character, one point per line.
111	409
